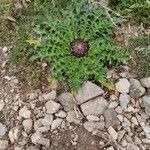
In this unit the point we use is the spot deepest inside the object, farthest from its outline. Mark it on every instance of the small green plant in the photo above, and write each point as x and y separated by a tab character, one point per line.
141	56
133	10
77	24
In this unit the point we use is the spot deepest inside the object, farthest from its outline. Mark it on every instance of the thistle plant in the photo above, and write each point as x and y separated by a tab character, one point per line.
78	43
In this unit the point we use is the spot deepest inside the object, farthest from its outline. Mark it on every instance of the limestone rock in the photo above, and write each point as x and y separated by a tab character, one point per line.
110	118
25	112
145	82
136	90
88	91
146	101
124	99
3	145
123	85
67	101
27	124
95	106
52	107
14	134
91	126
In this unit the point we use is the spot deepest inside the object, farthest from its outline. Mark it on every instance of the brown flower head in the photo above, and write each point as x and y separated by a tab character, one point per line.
79	47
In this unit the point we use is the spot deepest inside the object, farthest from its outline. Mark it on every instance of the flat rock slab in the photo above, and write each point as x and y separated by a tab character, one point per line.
95	106
88	91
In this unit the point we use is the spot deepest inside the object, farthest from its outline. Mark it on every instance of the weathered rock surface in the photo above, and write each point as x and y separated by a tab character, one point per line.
50	96
27	124
15	133
91	126
146	101
136	90
124	100
52	107
25	112
3	145
67	101
2	130
123	85
37	138
145	82
88	91
95	106
110	117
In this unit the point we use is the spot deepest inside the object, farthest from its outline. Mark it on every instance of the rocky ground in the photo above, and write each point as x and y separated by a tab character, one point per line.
94	119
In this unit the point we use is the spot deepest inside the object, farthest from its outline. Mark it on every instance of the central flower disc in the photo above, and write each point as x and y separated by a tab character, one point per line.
79	47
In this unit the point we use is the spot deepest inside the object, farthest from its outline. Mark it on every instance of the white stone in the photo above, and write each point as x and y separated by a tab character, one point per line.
67	101
3	145
134	121
47	121
92	118
113	104
123	85
146	128
91	126
121	135
14	134
61	114
2	104
25	112
88	91
52	107
118	110
37	138
146	101
33	96
146	141
2	130
95	106
120	117
43	129
124	100
113	133
145	82
56	123
38	124
136	90
27	124
50	96
72	117
110	148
